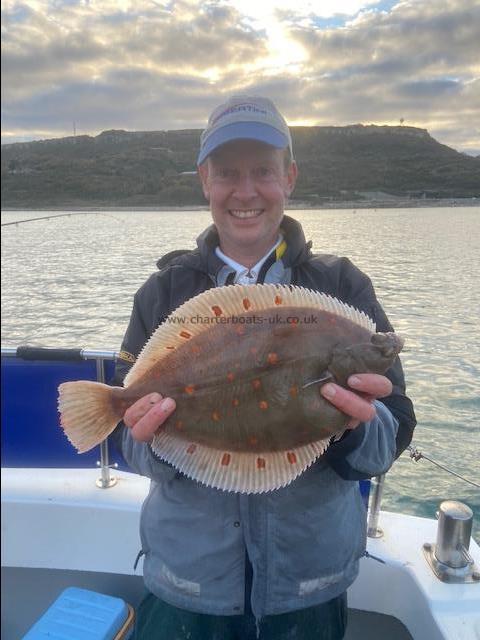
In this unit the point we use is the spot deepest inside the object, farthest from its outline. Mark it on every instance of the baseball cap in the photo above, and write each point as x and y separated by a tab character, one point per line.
244	117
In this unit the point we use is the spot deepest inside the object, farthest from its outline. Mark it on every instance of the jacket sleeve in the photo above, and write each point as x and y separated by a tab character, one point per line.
395	415
367	451
138	455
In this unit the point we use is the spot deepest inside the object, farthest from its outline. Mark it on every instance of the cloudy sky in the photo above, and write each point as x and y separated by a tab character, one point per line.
92	65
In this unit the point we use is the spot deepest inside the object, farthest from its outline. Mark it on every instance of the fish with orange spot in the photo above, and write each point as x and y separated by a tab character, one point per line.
269	411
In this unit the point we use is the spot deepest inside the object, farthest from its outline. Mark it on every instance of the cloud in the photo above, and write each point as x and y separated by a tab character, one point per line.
41	52
417	61
148	64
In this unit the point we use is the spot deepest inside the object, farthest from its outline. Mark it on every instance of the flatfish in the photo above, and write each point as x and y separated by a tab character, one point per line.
244	365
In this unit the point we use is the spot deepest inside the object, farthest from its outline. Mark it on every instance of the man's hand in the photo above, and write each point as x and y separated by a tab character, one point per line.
147	415
367	387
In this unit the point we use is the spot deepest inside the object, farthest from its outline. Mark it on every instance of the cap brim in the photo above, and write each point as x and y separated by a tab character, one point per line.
243	131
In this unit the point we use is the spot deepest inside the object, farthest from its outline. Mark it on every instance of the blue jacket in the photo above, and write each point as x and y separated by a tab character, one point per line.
304	540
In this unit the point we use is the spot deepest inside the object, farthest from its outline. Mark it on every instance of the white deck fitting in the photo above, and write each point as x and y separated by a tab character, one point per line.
59	519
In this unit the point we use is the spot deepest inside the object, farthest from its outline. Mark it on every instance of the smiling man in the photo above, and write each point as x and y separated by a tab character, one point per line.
247	180
226	566
247	184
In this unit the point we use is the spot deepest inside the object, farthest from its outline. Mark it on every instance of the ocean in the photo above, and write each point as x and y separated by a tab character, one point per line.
69	282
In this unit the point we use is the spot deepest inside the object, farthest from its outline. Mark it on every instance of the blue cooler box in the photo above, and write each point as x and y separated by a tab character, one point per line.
79	614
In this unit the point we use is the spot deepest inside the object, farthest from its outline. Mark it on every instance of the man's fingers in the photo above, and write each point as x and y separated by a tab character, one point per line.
134	413
349	402
371	384
357	403
148	414
145	428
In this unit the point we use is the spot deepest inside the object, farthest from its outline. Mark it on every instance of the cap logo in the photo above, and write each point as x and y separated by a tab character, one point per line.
250	108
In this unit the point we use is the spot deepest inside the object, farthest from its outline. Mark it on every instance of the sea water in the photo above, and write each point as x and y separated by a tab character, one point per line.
70	281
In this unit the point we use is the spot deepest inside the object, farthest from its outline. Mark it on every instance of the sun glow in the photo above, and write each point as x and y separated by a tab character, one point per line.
284	52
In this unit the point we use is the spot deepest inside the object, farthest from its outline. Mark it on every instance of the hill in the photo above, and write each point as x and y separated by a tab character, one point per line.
120	168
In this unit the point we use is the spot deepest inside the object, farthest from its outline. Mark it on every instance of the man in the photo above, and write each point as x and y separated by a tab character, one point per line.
221	565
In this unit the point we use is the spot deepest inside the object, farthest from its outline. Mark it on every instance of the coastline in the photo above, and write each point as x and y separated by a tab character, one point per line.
399	203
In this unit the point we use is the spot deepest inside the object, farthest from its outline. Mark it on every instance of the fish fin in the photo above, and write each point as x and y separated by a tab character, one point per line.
199	313
87	415
241	472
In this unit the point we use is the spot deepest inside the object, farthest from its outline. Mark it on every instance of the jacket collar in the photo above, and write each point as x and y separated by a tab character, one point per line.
205	259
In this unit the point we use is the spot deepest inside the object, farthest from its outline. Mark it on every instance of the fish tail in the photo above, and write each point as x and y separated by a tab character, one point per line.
87	413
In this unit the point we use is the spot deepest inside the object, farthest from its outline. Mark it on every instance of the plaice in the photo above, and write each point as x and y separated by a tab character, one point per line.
244	365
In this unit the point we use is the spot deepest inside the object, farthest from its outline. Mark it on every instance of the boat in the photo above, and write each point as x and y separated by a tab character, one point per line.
73	521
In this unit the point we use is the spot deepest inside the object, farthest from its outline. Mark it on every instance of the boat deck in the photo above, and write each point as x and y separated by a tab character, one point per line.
396	598
40	587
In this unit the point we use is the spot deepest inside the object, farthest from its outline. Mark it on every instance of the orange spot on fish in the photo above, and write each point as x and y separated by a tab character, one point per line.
278	300
189	389
196	350
179	425
291	457
191	448
185	334
215	416
272	358
230	376
246	304
252	441
263	405
226	459
261	463
253	350
217	310
235	402
294	391
256	384
169	347
332	321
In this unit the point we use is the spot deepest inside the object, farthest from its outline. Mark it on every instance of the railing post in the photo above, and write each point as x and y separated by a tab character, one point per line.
373	530
106	480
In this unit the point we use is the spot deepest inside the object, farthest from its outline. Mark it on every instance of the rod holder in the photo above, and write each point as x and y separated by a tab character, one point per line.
373	530
449	557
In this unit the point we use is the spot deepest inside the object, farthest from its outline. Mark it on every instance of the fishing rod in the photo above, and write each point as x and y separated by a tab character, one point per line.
417	455
60	215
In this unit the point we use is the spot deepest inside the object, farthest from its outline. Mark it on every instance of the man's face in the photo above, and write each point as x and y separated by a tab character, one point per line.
247	184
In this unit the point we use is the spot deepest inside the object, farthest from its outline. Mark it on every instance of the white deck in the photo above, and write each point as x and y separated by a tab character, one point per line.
59	529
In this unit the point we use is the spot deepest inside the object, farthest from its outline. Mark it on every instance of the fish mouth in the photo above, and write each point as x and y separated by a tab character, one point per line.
245	214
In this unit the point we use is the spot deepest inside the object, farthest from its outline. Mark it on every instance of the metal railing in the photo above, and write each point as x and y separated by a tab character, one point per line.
106	480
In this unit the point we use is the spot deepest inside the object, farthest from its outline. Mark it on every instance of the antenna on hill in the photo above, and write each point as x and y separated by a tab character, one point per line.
74	131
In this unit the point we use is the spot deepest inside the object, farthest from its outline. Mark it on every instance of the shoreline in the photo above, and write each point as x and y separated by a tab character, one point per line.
292	206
